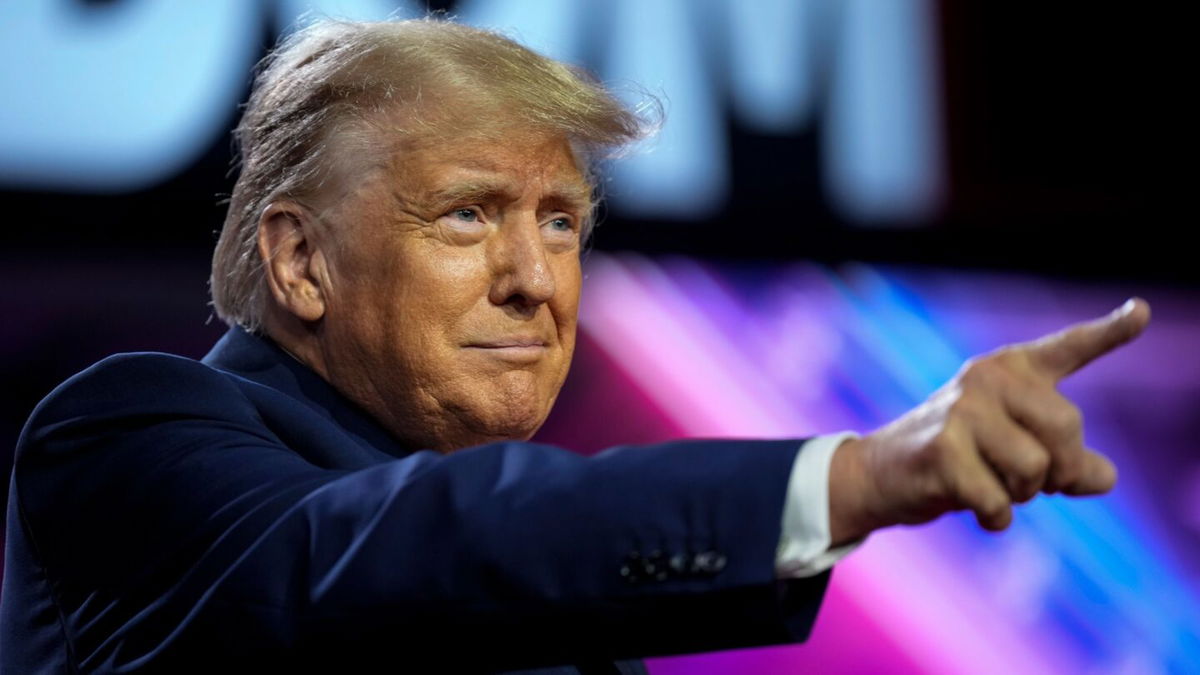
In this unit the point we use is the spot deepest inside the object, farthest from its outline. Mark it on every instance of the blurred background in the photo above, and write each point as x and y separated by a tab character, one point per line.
848	199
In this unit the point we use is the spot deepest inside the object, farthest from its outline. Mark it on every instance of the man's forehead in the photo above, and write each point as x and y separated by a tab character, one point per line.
498	164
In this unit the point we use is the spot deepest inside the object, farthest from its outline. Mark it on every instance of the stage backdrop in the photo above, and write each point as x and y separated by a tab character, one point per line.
848	198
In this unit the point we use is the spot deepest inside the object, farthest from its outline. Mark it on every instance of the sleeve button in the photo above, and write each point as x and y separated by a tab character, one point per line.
655	566
627	574
709	562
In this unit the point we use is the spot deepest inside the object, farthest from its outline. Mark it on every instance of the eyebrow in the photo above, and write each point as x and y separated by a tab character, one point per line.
567	196
466	192
570	197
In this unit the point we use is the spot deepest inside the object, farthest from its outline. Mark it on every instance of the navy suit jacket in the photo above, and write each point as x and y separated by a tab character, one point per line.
170	515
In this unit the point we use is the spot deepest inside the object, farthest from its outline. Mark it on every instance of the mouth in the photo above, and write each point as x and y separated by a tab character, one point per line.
511	349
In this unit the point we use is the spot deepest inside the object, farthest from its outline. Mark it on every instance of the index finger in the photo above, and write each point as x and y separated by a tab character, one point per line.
1062	353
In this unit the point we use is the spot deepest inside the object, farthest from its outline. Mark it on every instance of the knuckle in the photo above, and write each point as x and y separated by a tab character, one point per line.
979	372
1064	423
1033	466
966	407
1011	357
987	374
943	447
1023	489
972	408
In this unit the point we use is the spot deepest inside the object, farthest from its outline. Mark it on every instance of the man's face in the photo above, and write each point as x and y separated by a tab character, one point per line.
454	280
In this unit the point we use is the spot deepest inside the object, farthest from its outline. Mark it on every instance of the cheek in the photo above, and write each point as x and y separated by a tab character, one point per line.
568	277
425	288
444	276
566	313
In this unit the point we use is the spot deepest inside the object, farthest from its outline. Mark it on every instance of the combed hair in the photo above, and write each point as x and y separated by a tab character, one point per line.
324	93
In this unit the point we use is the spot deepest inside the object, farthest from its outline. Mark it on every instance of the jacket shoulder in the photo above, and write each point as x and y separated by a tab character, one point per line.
142	385
132	373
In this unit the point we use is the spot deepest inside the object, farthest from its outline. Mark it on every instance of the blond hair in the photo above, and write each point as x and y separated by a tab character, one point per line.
321	94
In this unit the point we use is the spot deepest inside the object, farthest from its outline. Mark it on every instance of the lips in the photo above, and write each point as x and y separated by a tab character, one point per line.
511	349
508	343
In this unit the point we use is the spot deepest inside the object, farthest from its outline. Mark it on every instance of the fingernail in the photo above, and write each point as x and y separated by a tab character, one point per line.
1126	308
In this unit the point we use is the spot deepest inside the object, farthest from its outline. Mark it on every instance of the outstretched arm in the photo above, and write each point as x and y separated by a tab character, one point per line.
180	520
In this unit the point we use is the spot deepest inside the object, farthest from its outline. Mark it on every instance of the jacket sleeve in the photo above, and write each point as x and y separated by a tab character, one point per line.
178	529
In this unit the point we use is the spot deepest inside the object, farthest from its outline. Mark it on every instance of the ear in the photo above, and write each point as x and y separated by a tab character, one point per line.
293	261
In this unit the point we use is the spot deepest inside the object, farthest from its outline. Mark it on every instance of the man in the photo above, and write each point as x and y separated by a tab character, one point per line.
344	480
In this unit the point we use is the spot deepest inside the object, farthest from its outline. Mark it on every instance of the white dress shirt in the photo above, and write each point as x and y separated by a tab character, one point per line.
804	545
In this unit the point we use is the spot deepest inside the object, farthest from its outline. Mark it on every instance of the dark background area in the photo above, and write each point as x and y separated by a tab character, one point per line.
1066	142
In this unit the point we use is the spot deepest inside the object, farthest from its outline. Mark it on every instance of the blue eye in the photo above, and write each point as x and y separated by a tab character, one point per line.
562	224
468	215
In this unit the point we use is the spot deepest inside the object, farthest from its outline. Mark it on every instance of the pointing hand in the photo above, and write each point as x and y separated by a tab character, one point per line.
999	432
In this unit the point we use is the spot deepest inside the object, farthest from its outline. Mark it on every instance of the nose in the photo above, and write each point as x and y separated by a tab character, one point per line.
522	277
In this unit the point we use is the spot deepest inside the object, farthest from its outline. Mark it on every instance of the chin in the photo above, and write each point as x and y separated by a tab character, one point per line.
510	418
518	424
511	406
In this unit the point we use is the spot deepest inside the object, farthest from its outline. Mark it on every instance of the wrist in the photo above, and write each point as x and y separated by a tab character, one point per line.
850	515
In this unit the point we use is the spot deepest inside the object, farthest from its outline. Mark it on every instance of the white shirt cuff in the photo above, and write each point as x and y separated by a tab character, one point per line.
804	545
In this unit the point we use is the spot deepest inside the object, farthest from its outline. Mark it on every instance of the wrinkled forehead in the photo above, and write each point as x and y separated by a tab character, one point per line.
420	150
516	150
430	173
534	169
